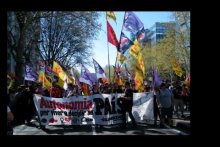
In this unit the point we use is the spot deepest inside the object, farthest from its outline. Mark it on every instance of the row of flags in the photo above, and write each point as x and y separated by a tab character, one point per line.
45	75
131	24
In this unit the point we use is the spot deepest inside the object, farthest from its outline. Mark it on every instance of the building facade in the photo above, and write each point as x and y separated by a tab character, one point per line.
157	32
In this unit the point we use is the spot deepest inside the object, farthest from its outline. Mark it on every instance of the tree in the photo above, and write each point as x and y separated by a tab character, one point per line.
169	48
19	38
63	36
67	37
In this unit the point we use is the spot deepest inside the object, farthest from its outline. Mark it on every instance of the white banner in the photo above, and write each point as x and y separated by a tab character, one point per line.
103	109
143	106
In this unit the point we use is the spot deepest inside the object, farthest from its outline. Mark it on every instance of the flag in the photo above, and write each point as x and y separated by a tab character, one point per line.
100	73
111	36
121	57
58	70
156	79
178	71
30	74
111	15
84	76
139	79
140	63
125	43
42	78
132	23
135	49
59	81
93	78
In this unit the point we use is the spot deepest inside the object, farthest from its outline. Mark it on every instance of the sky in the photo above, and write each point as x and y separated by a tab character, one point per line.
100	48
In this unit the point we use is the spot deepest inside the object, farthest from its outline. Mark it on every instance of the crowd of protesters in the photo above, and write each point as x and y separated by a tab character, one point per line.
169	100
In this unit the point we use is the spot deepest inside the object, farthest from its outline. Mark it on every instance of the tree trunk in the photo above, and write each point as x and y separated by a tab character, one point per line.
19	57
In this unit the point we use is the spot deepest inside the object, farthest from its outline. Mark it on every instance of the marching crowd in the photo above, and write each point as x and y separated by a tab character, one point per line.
169	100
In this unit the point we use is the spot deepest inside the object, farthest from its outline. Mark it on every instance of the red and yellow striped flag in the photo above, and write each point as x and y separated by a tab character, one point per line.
135	49
176	68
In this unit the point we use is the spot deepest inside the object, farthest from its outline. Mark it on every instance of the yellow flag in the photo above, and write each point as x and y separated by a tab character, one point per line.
178	71
121	57
135	49
43	79
140	63
58	70
111	15
59	82
139	79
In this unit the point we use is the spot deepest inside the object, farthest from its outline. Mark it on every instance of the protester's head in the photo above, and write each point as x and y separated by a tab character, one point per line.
163	86
127	84
39	85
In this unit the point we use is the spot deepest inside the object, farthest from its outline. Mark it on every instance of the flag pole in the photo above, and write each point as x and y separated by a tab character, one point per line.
120	38
119	43
108	50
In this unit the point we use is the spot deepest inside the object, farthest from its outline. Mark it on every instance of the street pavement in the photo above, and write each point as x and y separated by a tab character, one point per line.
180	127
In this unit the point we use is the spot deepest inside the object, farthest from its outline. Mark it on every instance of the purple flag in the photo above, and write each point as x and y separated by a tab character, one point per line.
125	43
30	74
156	79
132	23
100	73
84	77
92	77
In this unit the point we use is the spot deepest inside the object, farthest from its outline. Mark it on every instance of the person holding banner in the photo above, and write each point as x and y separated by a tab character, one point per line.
127	104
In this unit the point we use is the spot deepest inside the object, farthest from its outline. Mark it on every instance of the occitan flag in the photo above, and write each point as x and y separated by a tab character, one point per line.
121	57
135	49
58	70
140	63
178	71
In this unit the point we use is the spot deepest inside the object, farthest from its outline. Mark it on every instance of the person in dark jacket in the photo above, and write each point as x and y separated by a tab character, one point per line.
127	105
